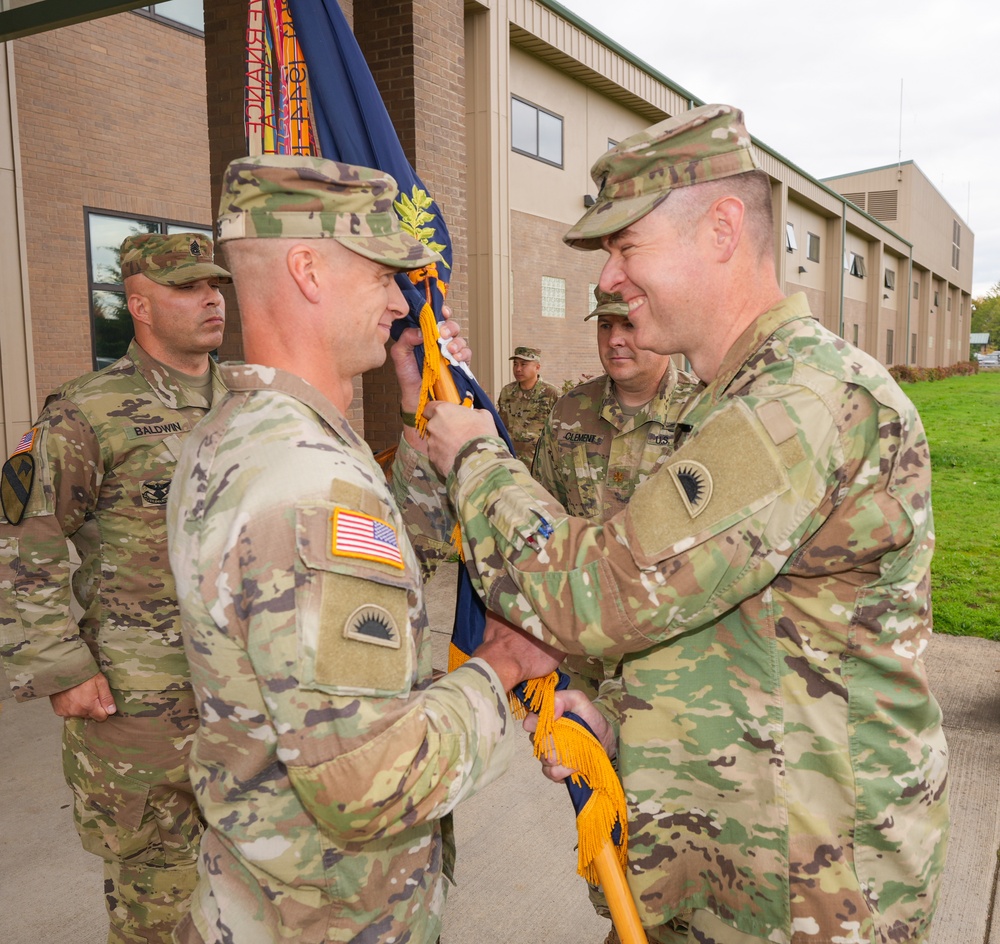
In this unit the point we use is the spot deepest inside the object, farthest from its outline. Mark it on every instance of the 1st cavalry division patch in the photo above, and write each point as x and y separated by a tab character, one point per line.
17	477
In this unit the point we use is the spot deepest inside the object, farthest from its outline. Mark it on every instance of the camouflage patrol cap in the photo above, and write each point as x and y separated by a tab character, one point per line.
286	196
706	143
608	303
526	354
174	259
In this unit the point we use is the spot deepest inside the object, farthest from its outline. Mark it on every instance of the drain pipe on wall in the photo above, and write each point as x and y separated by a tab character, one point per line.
843	254
909	303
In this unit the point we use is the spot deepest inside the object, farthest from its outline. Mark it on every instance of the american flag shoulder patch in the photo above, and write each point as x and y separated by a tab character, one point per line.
356	534
27	441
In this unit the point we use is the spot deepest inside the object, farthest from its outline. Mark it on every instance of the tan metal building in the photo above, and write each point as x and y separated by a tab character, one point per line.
502	106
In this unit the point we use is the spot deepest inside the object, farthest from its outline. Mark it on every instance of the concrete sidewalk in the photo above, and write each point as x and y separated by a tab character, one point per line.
516	867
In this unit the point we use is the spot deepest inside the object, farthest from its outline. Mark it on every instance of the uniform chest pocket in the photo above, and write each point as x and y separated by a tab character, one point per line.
352	602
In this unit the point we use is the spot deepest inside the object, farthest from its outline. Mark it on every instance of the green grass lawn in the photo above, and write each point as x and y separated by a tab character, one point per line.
962	419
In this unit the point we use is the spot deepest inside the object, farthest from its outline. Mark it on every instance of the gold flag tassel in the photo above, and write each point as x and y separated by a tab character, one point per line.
575	747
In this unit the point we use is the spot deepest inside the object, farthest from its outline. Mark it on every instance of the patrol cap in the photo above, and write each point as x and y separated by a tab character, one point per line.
526	354
174	259
706	143
292	197
608	303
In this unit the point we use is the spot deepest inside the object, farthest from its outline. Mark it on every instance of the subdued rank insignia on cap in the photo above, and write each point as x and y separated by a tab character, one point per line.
694	483
195	248
155	493
16	478
372	624
359	535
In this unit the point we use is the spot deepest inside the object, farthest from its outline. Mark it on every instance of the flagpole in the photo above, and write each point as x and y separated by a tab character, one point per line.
624	915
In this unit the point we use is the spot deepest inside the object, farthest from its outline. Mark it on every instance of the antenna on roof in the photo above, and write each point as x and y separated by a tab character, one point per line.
899	160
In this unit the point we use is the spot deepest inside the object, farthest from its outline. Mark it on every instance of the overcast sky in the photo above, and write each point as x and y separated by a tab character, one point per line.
820	84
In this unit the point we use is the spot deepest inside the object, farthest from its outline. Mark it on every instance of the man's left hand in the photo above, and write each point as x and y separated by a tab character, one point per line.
408	373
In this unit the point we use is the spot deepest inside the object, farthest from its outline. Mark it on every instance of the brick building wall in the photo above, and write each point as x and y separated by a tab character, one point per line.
569	345
111	116
416	51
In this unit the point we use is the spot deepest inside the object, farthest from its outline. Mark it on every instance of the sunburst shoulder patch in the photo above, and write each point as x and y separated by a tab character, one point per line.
372	624
694	483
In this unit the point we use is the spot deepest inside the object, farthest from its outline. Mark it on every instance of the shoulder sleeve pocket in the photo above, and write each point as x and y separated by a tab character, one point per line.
353	602
726	472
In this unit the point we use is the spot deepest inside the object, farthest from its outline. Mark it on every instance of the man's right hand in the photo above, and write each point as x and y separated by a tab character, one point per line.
514	654
579	704
90	699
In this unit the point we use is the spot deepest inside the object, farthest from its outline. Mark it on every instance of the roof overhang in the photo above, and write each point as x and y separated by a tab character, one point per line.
24	17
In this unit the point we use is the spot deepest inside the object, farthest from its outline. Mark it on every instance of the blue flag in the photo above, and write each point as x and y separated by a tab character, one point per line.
353	126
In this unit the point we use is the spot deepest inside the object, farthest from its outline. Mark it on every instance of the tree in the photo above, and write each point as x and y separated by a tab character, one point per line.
986	315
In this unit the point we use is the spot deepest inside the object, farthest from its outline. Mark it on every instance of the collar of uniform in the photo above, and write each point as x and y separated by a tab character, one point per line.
793	308
656	410
248	377
171	394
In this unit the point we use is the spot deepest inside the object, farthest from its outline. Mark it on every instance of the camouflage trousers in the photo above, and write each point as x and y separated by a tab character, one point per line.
134	807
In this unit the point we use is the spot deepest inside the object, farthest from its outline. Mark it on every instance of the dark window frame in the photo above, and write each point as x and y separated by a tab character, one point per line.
812	240
150	13
562	133
164	224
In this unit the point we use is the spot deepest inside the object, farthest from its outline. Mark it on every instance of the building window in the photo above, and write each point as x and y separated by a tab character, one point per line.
591	288
889	337
913	349
854	335
188	14
812	247
857	265
111	324
948	305
553	297
535	132
916	289
937	298
956	240
790	244
890	279
612	144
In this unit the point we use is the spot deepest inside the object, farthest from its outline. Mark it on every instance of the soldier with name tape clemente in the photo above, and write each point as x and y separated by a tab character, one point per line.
602	439
768	588
90	481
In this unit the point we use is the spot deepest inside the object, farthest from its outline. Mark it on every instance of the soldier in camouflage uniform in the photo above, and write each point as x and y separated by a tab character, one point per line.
781	753
524	404
601	440
94	472
327	762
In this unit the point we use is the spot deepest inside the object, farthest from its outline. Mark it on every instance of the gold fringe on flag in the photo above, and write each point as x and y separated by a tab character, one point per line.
574	747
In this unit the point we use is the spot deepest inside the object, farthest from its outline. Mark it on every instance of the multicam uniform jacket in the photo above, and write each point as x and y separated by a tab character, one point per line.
523	412
591	456
781	753
104	449
327	761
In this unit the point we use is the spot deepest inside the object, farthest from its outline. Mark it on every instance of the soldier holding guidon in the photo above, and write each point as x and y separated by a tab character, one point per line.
327	762
768	586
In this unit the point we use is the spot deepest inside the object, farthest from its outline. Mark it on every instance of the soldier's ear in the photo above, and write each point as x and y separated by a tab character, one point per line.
139	308
304	263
